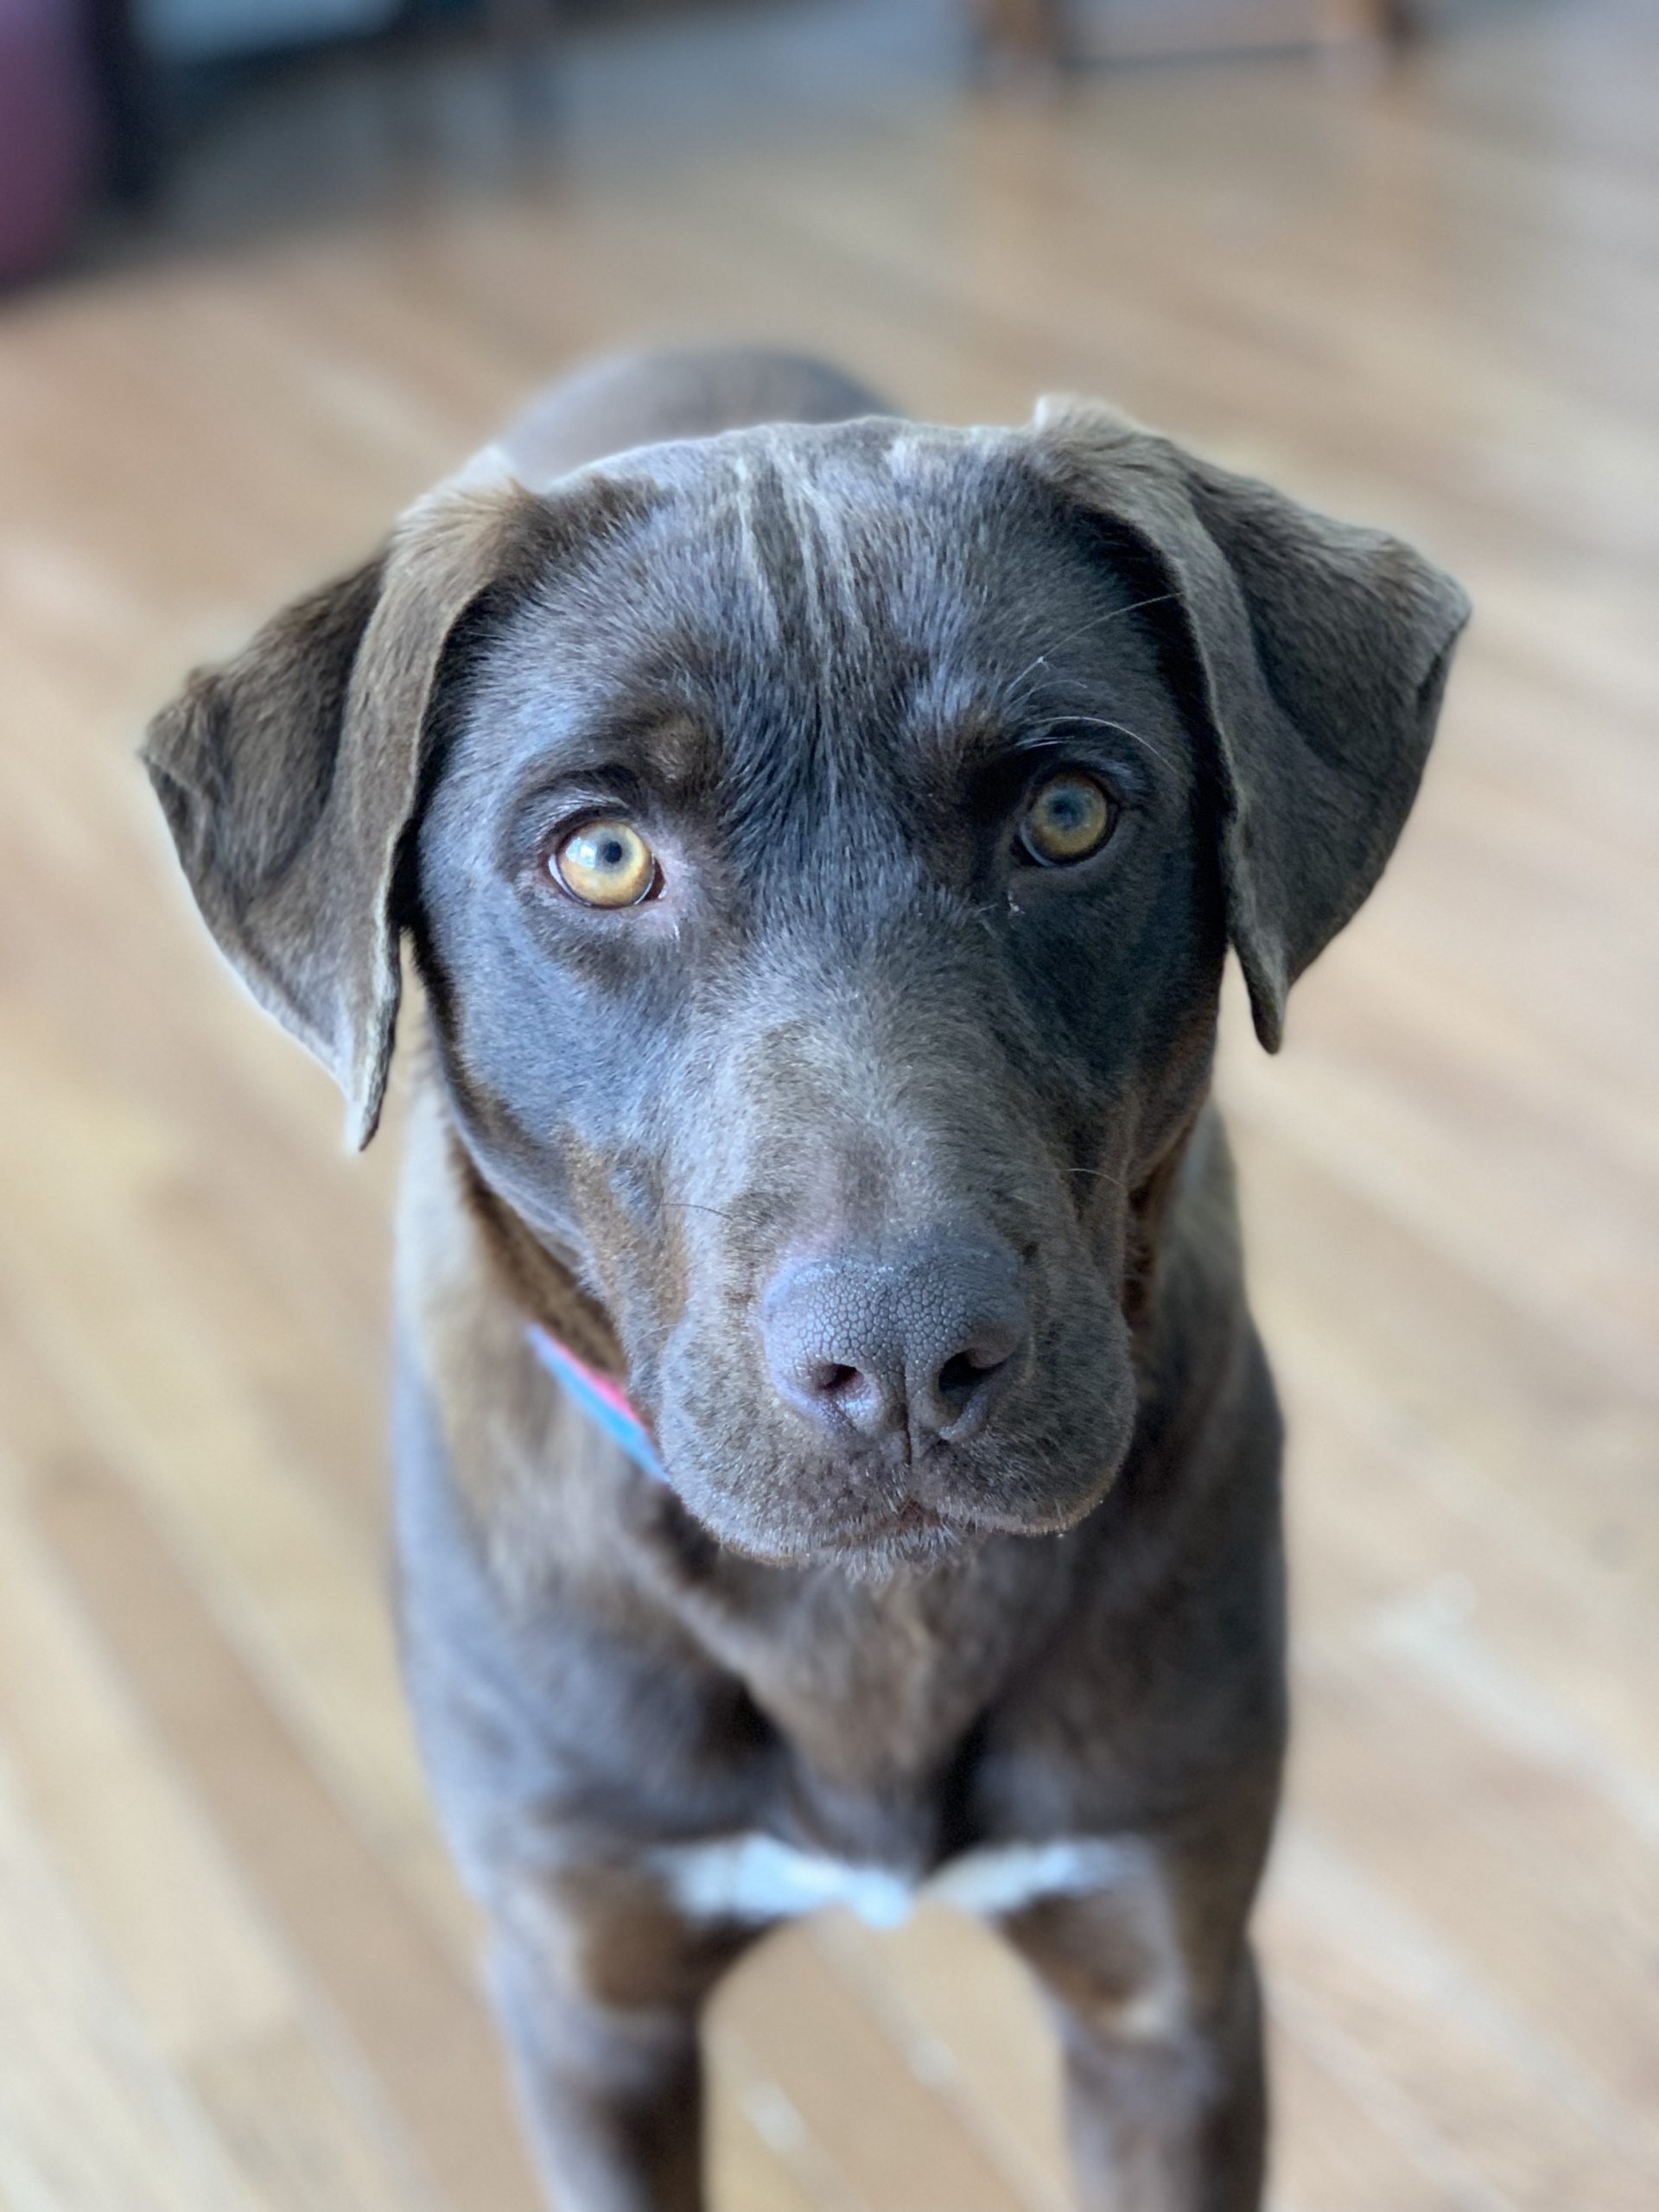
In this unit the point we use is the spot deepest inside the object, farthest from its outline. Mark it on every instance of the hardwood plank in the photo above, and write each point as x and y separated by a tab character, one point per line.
91	2115
968	2015
235	1970
419	2023
1494	2103
881	2133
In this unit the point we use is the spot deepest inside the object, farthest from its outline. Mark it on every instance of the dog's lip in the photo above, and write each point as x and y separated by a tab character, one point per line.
946	1523
914	1533
909	1521
911	1518
914	1517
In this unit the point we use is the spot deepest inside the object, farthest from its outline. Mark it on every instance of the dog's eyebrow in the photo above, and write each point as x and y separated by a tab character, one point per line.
970	738
675	750
975	739
658	747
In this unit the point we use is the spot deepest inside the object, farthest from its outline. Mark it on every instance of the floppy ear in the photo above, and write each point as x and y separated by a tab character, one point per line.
1320	652
290	776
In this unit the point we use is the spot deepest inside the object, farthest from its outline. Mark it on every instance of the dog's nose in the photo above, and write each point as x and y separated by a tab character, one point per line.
926	1341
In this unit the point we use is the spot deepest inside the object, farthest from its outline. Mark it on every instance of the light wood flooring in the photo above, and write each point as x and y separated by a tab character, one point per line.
236	1974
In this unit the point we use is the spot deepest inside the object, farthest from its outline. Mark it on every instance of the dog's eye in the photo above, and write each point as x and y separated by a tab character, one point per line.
1066	819
605	863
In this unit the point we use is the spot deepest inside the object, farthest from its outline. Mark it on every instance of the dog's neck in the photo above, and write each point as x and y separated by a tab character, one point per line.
540	1284
601	1401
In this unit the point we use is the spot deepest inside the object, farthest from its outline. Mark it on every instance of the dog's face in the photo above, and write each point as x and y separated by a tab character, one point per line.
821	905
821	863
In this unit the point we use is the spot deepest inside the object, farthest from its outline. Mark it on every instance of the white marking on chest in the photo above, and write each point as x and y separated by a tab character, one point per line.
757	1878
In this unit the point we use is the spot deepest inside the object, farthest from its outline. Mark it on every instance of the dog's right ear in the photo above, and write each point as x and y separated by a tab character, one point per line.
290	776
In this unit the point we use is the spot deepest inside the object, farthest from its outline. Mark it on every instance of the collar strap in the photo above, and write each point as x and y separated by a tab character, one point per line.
604	1402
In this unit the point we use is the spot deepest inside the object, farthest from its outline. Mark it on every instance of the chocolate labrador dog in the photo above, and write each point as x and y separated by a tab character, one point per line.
835	1459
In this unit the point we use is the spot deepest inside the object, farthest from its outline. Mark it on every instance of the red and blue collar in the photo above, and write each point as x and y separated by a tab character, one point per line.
604	1402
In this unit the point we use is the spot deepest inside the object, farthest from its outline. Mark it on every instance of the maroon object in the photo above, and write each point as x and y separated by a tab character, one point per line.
47	130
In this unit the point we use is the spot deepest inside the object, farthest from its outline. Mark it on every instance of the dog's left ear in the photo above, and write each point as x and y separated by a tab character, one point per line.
1319	651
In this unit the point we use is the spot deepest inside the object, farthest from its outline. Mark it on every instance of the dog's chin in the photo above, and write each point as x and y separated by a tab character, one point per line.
924	1548
921	1546
913	1538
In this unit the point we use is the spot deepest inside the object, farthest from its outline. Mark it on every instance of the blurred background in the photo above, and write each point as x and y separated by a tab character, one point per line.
274	265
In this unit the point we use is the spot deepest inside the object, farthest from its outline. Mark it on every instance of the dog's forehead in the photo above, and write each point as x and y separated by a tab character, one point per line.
872	554
882	460
868	522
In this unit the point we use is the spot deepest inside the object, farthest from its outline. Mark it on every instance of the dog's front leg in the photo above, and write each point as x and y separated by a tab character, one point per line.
1159	2021
600	1985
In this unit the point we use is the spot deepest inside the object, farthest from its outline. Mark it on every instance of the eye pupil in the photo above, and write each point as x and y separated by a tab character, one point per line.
1069	818
604	864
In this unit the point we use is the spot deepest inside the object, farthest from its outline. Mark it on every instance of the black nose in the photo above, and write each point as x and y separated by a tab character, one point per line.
926	1341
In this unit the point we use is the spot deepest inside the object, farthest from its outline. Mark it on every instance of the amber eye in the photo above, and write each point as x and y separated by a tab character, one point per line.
606	864
1066	819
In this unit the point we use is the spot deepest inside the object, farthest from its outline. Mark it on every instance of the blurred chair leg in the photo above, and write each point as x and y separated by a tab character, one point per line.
521	27
1395	24
1400	23
133	155
1021	34
523	34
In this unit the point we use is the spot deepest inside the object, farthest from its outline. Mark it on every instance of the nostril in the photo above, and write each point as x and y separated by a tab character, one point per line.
964	1389
962	1375
836	1395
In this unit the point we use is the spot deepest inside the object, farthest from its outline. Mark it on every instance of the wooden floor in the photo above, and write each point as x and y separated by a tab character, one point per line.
235	1974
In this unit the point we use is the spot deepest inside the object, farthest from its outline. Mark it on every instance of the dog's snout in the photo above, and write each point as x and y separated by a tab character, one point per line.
863	1346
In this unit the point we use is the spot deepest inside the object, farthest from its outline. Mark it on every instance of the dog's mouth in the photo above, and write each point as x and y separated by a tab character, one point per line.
759	1480
909	1524
909	1535
913	1517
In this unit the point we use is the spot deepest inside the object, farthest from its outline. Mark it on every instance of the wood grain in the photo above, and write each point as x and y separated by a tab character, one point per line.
235	1972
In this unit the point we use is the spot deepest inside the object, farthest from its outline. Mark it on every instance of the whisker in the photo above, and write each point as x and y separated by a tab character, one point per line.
690	1205
1104	620
1099	1175
1105	721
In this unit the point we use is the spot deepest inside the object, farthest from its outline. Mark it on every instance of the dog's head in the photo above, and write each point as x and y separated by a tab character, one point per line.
820	846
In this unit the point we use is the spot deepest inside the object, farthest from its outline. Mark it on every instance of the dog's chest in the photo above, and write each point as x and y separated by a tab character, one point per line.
756	1877
875	1689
